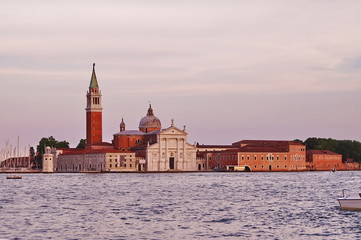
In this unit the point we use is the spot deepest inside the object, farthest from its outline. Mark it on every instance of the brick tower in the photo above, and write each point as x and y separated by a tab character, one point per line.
94	112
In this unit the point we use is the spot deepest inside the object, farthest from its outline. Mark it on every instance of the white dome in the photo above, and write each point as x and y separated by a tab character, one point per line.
150	121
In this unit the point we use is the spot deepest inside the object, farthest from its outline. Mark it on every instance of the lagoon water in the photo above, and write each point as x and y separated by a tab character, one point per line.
297	205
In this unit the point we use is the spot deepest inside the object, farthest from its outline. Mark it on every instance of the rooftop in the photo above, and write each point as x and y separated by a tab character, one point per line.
321	152
75	151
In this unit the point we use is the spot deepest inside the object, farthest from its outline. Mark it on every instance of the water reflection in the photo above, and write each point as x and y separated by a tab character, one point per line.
178	206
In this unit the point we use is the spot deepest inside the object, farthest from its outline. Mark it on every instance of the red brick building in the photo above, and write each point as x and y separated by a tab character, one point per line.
349	164
257	155
260	155
324	160
149	127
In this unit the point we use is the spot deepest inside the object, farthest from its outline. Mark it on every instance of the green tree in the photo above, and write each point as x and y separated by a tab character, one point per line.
347	148
31	152
81	144
299	141
32	155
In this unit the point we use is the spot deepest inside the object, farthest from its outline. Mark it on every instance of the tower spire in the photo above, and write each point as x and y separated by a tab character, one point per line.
93	80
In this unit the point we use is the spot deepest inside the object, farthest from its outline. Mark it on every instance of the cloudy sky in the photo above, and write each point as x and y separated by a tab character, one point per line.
228	70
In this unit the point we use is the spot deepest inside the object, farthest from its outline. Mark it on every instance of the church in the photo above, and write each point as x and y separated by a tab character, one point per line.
150	148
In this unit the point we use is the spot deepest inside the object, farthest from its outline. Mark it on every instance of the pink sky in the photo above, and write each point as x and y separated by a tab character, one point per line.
228	70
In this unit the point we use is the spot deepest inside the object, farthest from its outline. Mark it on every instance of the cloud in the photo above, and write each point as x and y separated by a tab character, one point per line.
350	65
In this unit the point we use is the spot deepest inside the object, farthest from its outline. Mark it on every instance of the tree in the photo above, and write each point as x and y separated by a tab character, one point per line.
347	148
299	141
44	142
81	144
32	155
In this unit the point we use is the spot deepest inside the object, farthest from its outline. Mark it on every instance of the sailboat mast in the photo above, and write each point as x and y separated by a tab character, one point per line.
17	157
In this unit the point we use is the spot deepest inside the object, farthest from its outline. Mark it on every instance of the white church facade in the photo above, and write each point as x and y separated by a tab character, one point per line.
171	152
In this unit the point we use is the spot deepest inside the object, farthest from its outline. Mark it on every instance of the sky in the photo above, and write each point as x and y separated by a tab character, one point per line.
227	70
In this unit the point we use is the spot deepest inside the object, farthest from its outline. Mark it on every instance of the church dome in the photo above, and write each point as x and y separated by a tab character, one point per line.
150	122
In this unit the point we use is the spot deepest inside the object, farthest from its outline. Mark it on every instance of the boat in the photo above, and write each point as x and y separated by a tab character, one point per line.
14	177
350	201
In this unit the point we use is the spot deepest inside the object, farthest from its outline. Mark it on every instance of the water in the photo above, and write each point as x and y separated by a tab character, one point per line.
299	205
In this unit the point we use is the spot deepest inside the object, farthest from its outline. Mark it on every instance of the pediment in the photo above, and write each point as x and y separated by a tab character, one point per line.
172	131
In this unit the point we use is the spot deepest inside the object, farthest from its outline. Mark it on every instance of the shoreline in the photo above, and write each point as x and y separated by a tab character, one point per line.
95	172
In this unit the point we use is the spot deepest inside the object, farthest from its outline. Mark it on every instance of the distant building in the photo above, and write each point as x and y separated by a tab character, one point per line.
257	155
96	160
207	156
17	162
324	160
349	164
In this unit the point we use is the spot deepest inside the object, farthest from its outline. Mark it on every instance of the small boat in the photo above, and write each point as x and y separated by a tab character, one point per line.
350	201
14	177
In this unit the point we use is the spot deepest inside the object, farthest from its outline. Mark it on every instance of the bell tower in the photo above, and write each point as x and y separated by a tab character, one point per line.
94	112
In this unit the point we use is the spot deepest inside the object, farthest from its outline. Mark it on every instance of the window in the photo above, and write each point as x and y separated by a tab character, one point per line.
247	157
255	157
262	157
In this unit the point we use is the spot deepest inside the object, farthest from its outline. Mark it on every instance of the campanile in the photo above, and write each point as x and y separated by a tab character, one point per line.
94	112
